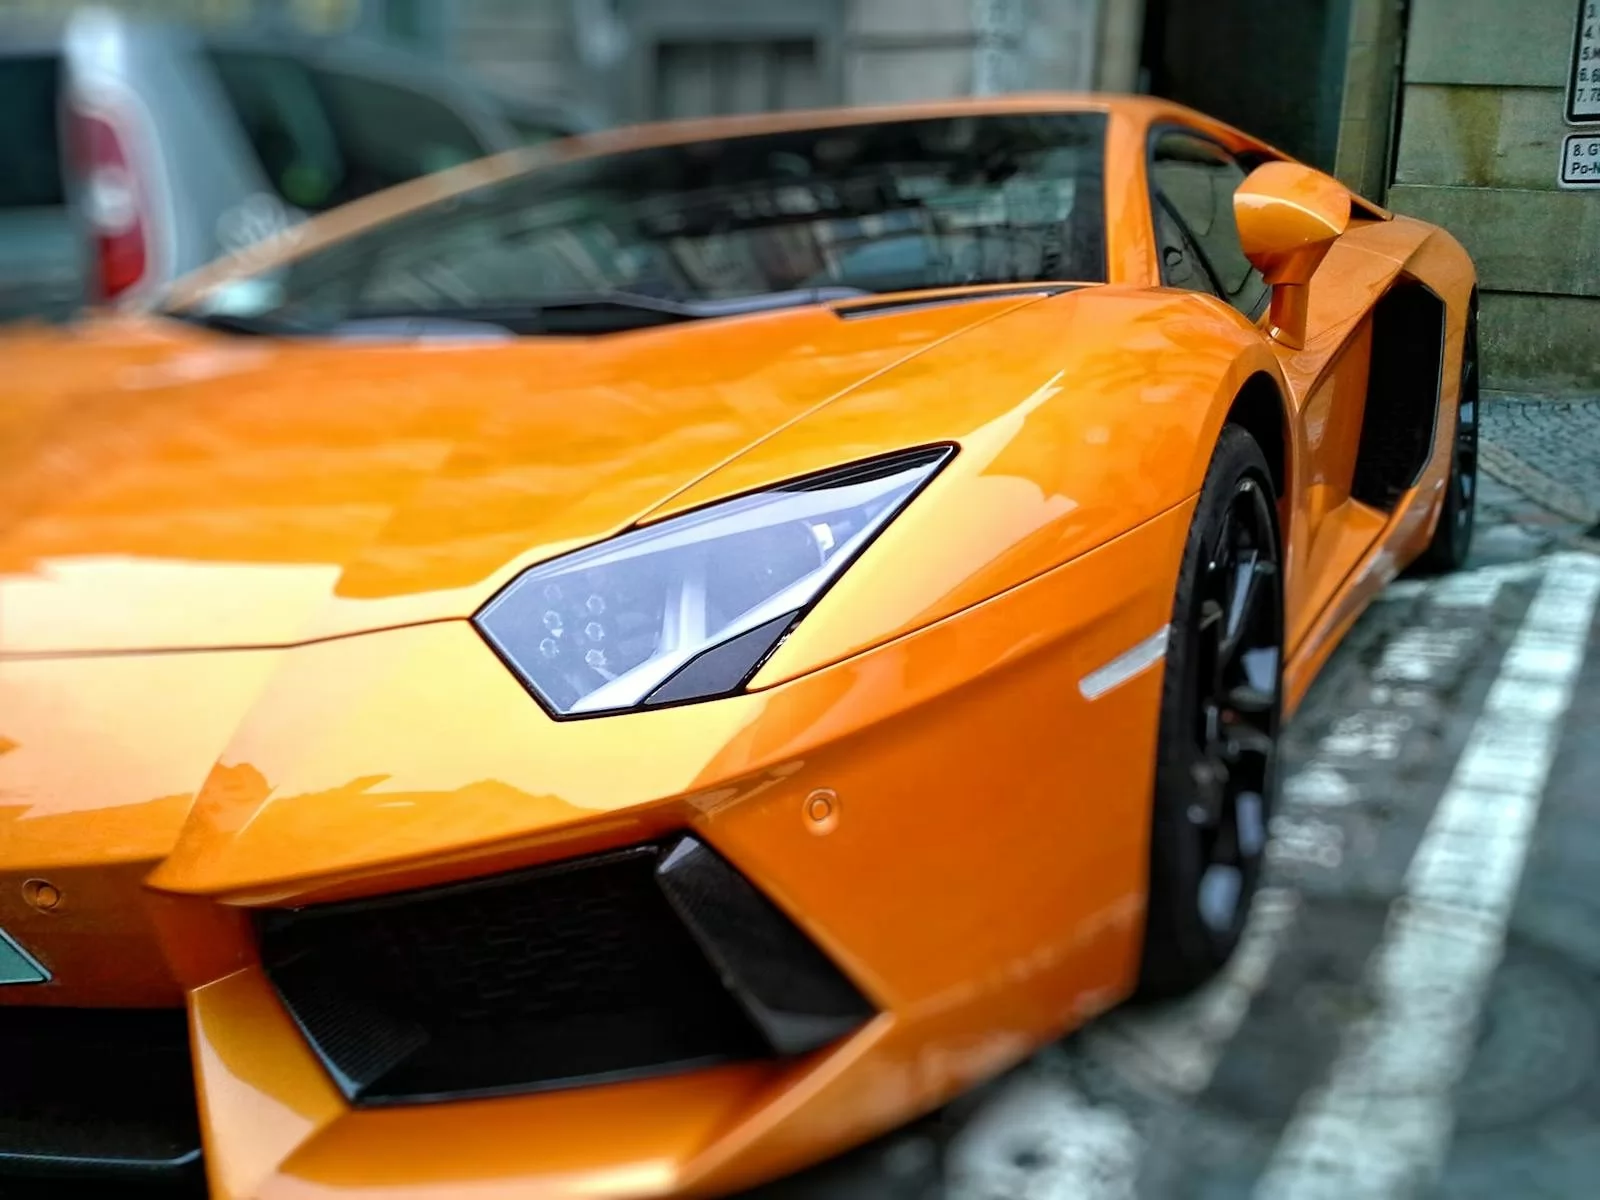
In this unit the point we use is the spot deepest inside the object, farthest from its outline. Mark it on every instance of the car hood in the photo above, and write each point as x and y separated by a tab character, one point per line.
167	488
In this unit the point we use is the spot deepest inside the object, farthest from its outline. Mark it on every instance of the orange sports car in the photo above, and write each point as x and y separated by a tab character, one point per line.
625	668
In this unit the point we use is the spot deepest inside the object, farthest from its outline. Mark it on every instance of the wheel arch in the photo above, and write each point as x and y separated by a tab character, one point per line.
1259	409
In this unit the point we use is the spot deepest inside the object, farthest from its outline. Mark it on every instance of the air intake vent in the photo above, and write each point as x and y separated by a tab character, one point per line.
580	972
97	1093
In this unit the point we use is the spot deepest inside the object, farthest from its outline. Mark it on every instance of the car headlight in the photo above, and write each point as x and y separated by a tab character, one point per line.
689	608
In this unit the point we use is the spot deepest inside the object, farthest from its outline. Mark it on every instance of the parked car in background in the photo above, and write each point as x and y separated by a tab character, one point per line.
135	151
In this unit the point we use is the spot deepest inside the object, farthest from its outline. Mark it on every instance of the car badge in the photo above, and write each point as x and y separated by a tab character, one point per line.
17	965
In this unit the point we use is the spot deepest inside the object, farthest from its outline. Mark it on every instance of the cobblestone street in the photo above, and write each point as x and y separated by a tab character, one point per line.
1417	996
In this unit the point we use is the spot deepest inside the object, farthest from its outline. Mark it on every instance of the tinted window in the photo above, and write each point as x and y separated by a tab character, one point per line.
882	207
1198	179
1181	264
389	134
326	137
30	149
535	131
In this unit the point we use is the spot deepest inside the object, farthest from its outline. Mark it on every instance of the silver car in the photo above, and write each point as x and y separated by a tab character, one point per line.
132	152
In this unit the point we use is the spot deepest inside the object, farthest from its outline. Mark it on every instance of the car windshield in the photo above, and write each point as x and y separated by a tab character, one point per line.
711	227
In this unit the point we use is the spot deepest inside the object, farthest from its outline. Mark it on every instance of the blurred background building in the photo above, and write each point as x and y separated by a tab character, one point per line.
1450	109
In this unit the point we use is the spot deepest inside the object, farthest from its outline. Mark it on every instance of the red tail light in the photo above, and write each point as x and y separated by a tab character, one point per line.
113	204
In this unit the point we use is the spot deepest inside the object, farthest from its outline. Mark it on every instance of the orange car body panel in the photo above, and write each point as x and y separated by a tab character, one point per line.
236	670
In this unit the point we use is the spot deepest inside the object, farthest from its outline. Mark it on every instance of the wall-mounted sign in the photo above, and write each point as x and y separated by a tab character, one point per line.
1580	161
1583	86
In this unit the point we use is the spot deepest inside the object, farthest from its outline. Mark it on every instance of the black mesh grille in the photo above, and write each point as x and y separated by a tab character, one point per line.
92	1092
572	973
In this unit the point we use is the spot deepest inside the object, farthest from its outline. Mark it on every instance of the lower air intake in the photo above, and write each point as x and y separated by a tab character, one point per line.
97	1093
652	959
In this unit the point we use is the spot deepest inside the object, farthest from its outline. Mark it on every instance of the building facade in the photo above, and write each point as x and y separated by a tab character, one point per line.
644	59
1484	135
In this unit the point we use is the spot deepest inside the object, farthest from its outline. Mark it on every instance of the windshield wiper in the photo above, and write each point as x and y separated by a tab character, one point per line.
578	312
730	306
599	312
248	326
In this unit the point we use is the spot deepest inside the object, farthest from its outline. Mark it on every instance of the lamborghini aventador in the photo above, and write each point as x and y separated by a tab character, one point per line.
625	668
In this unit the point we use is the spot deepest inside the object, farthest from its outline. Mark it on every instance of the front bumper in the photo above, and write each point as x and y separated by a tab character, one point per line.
960	832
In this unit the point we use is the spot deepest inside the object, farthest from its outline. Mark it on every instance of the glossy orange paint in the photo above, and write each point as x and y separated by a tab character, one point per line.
235	664
1288	217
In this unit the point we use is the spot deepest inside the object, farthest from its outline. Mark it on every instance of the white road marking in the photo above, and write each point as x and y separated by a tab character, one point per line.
1308	841
1371	734
1380	1126
1319	785
1421	654
1040	1138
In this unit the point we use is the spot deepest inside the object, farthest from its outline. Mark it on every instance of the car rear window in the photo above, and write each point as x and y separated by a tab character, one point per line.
325	137
30	148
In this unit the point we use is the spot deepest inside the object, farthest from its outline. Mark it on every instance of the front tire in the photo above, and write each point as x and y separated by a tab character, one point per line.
1221	708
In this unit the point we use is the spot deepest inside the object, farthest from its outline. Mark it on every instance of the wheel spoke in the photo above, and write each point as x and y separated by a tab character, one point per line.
1241	739
1250	817
1261	669
1234	670
1221	888
1251	700
1252	585
1223	542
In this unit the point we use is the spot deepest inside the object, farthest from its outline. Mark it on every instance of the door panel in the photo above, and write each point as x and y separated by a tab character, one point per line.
1328	381
1337	531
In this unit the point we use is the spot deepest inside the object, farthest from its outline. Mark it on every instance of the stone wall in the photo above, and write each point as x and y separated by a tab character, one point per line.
1479	152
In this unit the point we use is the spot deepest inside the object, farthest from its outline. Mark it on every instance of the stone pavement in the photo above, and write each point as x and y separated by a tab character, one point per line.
1416	1010
1548	453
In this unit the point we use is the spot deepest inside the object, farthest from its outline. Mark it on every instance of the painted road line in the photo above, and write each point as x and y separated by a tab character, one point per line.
1039	1136
1380	1126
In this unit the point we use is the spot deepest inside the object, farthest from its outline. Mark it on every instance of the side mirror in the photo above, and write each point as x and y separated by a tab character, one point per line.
1289	217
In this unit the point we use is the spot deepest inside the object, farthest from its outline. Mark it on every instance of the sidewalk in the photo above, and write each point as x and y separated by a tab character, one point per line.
1546	454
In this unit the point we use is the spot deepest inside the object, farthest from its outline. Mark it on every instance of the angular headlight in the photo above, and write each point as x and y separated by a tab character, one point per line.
688	608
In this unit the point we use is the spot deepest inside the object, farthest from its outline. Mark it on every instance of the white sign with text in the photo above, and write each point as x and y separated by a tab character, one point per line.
1580	161
1583	85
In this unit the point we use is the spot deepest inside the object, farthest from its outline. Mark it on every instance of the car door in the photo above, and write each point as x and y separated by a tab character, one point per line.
1192	182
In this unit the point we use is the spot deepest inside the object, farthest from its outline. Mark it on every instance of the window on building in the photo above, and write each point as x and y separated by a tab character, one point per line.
711	78
1196	178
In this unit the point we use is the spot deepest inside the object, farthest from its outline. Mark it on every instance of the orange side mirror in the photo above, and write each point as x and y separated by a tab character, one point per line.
1289	217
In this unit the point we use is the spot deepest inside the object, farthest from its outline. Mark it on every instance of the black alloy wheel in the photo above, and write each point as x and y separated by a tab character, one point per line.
1452	537
1217	755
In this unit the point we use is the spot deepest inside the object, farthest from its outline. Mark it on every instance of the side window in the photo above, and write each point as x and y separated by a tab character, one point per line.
287	125
1181	264
1197	179
389	134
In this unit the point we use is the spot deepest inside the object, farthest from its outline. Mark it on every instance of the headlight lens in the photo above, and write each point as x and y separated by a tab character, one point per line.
690	607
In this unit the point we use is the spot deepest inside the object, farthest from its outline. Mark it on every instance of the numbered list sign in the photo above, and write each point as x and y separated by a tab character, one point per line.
1583	90
1580	160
